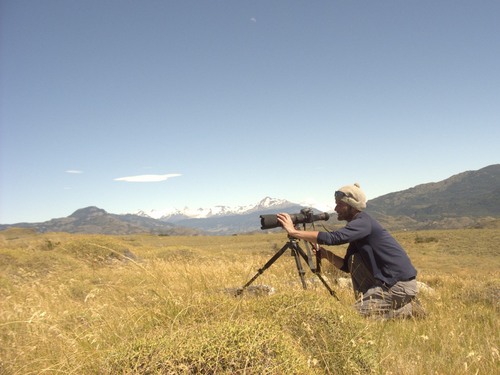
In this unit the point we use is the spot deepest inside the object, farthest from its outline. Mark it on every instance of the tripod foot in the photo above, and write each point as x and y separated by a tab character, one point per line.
255	290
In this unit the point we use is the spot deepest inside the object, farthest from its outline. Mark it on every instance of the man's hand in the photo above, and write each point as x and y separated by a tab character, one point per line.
286	222
319	251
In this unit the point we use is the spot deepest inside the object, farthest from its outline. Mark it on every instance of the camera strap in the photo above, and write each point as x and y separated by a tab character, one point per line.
310	257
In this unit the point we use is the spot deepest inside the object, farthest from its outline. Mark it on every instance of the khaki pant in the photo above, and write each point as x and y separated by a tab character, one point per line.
374	298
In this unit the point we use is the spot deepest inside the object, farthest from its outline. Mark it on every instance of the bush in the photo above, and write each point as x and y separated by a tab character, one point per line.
285	334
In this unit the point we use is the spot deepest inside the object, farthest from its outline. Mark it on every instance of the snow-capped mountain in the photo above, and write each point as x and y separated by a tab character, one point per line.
268	202
175	214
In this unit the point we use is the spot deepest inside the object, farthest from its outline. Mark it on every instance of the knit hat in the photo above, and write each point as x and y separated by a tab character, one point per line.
352	195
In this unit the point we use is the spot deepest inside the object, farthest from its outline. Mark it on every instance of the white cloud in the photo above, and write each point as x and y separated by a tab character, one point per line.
74	171
148	177
253	19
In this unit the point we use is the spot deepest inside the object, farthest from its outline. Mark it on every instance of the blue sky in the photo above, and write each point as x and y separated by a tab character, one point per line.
226	102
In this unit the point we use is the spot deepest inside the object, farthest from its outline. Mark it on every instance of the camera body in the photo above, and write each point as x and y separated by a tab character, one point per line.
305	216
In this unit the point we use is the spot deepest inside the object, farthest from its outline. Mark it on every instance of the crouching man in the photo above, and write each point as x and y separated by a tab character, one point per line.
383	277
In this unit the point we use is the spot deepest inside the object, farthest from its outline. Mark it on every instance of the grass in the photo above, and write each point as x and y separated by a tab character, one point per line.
143	304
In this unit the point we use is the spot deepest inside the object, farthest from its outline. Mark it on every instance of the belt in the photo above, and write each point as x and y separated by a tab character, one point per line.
410	279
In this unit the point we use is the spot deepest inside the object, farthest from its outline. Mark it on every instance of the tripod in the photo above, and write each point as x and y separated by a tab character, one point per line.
297	252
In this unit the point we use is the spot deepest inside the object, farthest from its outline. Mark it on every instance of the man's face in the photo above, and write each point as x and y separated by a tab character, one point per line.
343	210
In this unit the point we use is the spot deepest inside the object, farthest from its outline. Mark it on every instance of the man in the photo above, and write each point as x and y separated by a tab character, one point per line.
382	274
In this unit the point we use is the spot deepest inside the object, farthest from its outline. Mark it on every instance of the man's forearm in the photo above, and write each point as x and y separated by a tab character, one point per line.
310	236
331	257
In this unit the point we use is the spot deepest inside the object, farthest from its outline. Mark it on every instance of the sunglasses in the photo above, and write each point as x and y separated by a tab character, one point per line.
340	194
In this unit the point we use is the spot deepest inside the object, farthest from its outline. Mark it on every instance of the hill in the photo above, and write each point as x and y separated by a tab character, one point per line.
470	198
94	220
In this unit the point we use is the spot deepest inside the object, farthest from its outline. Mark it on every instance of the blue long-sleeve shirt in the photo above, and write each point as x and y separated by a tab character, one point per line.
385	256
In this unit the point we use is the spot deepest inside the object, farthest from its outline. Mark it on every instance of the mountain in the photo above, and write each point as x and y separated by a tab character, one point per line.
468	199
219	220
96	220
176	215
465	199
237	223
224	219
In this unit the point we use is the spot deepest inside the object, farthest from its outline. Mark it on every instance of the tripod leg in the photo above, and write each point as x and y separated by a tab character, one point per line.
316	271
330	290
264	267
299	267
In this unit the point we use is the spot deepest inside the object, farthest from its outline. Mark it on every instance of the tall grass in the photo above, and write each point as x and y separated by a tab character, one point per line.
143	304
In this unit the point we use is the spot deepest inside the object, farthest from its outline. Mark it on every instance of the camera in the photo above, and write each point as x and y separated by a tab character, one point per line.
306	215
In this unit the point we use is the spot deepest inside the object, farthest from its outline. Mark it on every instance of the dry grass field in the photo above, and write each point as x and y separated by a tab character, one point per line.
144	304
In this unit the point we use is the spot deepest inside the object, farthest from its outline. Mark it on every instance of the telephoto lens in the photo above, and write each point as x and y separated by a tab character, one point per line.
271	221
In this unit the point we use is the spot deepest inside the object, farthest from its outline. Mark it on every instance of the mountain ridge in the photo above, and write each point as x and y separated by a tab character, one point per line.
95	220
463	197
175	214
467	199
